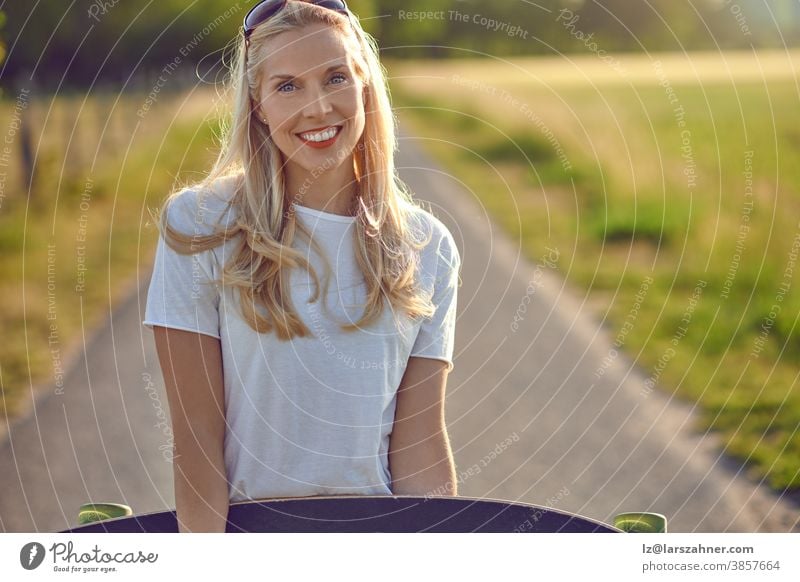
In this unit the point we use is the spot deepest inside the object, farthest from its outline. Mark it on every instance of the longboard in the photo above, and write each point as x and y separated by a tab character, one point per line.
371	514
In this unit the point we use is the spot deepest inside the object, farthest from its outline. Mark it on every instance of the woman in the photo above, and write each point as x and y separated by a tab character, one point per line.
303	306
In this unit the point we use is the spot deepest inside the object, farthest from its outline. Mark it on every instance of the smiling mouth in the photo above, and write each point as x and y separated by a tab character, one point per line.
327	134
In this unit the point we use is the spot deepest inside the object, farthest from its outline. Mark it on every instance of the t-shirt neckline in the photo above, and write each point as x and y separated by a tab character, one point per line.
324	215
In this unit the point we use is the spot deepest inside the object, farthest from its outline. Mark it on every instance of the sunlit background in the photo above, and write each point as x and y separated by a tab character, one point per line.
652	140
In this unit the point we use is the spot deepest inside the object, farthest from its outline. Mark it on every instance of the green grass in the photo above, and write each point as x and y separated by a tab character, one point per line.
630	205
132	170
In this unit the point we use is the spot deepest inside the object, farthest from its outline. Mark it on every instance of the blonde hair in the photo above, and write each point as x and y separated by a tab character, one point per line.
385	240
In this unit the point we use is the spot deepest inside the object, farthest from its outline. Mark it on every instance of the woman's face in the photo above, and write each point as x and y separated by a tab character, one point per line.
309	84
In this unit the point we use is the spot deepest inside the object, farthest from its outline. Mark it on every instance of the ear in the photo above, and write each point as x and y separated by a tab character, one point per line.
257	110
261	115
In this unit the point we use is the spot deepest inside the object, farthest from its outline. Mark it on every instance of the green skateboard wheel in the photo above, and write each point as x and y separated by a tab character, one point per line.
641	522
90	512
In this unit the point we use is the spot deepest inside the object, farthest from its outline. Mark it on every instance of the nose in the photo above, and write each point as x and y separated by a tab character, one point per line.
318	105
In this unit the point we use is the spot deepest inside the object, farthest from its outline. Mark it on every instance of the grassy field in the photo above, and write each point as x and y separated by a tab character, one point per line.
70	250
652	174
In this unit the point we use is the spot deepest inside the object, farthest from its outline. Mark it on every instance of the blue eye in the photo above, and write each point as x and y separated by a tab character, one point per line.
342	75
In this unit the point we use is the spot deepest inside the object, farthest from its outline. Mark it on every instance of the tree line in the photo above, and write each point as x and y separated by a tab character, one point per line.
84	42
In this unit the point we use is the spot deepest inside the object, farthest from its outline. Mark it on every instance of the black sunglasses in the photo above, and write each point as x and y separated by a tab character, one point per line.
265	9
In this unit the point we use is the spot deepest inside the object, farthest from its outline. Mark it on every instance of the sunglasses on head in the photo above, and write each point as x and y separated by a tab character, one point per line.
265	9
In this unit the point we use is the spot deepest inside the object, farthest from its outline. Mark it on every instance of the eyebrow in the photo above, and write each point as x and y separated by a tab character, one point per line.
328	70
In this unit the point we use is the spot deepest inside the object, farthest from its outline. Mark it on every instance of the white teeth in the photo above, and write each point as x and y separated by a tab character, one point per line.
321	136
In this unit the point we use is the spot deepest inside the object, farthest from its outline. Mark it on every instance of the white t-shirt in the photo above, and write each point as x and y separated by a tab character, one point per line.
309	416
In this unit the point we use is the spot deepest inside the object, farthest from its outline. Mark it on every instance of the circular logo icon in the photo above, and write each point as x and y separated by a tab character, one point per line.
31	555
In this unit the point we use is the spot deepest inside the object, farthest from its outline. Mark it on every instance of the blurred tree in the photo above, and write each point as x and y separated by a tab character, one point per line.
83	42
2	35
656	25
2	42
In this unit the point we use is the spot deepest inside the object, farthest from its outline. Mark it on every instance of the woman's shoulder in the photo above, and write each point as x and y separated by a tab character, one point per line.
426	226
425	221
197	209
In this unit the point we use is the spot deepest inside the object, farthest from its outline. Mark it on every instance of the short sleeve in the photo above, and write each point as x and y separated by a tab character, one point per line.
182	293
436	337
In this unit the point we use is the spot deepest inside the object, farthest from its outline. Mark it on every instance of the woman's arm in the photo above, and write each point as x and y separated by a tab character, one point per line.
192	367
420	459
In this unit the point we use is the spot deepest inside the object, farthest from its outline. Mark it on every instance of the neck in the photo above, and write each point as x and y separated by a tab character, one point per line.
334	191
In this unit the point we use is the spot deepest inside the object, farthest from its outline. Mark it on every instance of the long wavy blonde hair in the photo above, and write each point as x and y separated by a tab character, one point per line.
385	238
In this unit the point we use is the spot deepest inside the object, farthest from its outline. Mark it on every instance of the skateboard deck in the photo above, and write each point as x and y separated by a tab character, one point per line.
370	514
